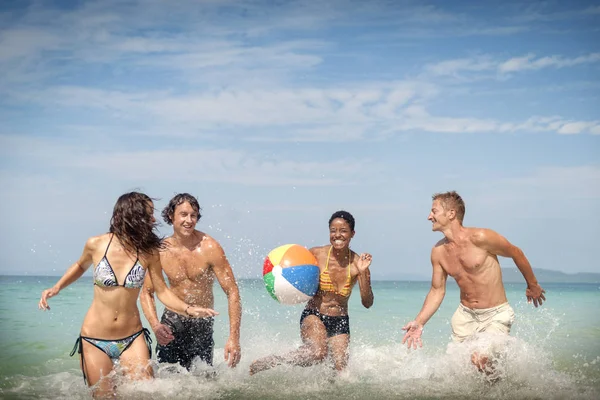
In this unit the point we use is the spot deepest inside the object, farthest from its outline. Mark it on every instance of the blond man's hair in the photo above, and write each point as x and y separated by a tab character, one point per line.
452	201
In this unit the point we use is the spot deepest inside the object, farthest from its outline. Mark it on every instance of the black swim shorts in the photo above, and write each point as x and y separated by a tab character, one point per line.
334	325
193	338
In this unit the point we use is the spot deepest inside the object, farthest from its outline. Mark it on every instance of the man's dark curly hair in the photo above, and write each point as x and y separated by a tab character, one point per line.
132	223
178	199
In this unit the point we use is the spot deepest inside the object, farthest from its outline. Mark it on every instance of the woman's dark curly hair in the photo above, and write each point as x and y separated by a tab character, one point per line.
132	223
345	215
169	211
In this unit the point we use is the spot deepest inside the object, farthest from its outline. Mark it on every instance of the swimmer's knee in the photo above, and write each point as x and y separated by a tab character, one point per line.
319	352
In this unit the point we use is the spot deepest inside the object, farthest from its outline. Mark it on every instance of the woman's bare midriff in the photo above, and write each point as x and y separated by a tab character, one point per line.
113	314
330	304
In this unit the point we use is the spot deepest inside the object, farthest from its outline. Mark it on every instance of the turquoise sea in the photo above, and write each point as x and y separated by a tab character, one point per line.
553	353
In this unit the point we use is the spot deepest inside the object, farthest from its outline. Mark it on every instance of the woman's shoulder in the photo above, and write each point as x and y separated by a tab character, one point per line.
319	249
354	255
94	242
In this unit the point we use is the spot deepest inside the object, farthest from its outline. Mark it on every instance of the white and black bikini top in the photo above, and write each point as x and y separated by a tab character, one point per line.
104	276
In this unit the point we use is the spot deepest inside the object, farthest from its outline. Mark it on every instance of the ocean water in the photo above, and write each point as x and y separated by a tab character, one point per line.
553	352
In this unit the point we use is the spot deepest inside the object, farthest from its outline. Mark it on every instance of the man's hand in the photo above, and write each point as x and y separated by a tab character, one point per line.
233	352
413	334
535	293
163	333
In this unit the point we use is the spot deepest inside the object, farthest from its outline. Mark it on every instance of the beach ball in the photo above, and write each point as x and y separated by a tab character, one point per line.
291	274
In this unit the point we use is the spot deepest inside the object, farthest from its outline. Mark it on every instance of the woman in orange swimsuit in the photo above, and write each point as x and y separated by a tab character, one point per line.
324	324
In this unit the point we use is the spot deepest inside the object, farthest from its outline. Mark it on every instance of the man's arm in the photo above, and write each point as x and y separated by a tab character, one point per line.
224	275
434	298
436	292
496	244
168	298
163	333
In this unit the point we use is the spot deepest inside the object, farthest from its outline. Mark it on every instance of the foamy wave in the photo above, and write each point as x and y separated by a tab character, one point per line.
523	371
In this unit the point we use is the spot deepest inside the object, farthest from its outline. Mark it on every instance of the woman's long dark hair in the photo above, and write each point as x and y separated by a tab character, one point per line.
132	224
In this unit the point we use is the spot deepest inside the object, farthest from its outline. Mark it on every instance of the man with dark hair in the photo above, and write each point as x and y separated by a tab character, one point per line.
191	260
470	256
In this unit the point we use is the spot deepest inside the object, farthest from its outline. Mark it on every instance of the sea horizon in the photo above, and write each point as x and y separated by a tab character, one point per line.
510	275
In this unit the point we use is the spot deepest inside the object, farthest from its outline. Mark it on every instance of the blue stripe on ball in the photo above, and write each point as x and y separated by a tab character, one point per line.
303	277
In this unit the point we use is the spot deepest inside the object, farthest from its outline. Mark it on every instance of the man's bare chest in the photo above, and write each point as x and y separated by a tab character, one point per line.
180	266
463	258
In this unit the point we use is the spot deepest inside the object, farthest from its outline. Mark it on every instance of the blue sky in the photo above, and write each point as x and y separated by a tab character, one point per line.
276	114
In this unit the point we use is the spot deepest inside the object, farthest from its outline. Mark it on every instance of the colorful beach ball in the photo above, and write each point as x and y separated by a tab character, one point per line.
291	274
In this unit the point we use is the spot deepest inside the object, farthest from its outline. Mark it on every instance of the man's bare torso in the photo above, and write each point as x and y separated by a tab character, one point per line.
189	270
476	271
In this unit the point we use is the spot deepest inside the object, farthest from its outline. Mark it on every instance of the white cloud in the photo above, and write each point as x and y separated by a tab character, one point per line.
453	67
417	118
543	12
577	127
486	64
194	36
300	110
309	114
530	62
198	41
196	164
497	30
557	124
319	134
218	166
220	79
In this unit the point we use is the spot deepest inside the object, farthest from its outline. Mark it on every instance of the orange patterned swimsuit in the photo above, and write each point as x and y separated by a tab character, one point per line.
325	283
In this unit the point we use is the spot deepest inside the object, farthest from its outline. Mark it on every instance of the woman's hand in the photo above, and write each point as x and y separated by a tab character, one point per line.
364	261
46	294
199	312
